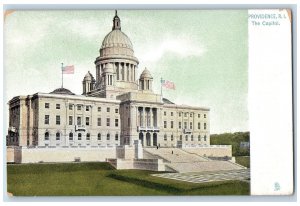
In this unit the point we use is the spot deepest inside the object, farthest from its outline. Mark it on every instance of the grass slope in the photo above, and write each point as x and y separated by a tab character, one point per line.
97	179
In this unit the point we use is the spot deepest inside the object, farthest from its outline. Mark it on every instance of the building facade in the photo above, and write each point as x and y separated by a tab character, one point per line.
115	108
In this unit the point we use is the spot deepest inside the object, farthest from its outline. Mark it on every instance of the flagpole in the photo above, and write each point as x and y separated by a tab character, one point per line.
161	88
62	75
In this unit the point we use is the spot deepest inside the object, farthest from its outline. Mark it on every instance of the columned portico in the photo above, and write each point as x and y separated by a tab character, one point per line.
147	126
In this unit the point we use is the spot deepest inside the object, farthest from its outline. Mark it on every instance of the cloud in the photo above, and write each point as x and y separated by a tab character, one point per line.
181	47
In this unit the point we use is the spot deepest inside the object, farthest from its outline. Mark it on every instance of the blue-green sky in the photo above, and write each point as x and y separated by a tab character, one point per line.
204	52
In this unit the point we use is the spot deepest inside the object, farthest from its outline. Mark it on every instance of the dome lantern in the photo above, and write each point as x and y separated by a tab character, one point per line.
116	22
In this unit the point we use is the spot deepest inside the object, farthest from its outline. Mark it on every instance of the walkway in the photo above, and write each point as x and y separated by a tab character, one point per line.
201	177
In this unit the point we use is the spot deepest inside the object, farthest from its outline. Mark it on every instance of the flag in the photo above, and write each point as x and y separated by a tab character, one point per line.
167	84
68	69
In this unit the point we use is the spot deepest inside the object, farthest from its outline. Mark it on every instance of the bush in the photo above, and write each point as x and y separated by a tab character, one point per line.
233	139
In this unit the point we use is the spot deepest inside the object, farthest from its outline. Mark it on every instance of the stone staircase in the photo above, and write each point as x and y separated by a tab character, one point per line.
183	162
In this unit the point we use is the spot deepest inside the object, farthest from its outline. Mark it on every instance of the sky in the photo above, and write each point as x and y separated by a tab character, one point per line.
204	52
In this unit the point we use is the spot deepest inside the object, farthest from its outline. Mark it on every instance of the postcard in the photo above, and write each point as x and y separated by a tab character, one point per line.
148	102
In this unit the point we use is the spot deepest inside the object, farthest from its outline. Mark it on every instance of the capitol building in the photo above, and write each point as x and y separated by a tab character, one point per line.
117	115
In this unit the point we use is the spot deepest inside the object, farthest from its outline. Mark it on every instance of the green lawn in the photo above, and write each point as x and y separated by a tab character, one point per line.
243	160
71	179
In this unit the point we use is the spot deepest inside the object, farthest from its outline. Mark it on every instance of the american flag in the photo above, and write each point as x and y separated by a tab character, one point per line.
68	69
168	84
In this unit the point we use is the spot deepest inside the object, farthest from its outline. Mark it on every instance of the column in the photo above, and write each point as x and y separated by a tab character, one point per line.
127	72
134	68
151	120
143	117
122	71
144	139
132	79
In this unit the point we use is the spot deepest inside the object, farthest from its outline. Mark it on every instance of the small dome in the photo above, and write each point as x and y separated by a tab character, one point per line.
146	74
88	77
116	38
62	91
109	68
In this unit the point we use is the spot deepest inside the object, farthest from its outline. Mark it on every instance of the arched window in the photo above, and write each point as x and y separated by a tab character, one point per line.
108	136
180	137
99	136
204	137
116	137
79	136
172	138
70	136
192	138
88	136
47	136
199	137
57	136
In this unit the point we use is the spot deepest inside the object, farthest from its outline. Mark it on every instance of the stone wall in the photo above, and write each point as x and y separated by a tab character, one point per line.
60	154
211	151
141	164
10	156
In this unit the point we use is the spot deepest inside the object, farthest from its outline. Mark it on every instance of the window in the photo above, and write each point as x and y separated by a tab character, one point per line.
165	137
108	136
70	107
87	121
70	136
179	114
57	136
204	125
88	136
172	124
99	121
57	106
186	138
57	120
99	136
116	110
199	125
198	115
47	117
192	138
204	137
180	137
185	125
79	107
165	124
179	125
172	138
70	120
87	108
99	109
165	113
47	136
199	138
108	122
107	109
185	114
116	122
171	113
47	105
116	137
79	121
191	114
204	115
79	136
191	125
